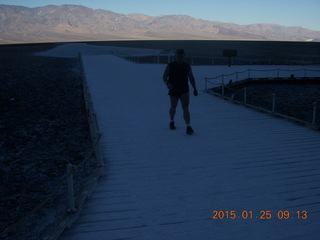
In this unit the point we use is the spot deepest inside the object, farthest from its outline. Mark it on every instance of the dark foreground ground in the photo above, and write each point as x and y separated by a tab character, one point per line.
43	127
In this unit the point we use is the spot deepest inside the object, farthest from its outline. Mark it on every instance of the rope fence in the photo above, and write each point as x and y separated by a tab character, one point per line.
71	169
249	73
272	98
220	60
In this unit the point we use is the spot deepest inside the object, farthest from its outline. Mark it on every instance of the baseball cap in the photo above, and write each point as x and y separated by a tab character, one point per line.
180	51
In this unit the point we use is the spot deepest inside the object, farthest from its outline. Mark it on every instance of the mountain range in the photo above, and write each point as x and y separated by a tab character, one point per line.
78	23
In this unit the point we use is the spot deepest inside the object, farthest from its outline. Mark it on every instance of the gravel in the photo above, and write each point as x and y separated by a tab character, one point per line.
43	126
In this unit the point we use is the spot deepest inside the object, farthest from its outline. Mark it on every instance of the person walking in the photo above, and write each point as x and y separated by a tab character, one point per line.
176	76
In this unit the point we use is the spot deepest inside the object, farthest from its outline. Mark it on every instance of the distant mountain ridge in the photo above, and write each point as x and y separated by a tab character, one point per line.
78	23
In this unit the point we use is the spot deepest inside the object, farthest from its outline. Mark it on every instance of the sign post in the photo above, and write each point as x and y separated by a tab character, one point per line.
229	53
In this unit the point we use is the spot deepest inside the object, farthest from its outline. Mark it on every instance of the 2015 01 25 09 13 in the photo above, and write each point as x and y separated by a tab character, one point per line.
262	214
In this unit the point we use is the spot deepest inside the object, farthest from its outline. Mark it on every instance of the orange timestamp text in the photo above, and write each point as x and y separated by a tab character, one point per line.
263	214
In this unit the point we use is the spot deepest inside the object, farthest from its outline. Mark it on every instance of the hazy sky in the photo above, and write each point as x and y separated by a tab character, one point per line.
304	13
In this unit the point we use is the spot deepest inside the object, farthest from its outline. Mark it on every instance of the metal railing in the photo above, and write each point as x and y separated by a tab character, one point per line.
222	87
71	169
249	73
216	60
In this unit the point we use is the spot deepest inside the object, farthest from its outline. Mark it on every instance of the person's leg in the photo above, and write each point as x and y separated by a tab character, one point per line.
185	107
174	103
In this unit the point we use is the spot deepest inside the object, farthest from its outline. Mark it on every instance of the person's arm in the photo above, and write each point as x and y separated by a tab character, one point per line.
166	75
193	82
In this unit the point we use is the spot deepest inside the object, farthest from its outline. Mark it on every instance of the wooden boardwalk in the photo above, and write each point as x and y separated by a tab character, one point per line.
163	184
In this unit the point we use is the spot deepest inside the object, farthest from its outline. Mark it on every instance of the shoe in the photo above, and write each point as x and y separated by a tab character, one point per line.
172	126
189	130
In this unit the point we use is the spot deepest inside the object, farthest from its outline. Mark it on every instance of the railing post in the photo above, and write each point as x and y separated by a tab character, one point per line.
314	113
71	208
222	86
273	103
245	96
96	141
